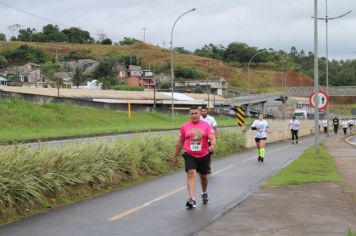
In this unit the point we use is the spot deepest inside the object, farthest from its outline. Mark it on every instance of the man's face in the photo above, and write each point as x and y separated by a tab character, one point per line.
204	112
194	115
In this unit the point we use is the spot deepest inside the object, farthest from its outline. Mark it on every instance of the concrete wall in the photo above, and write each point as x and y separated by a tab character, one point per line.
279	131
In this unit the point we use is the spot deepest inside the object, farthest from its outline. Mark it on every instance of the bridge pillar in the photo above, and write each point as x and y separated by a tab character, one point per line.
284	107
248	110
263	108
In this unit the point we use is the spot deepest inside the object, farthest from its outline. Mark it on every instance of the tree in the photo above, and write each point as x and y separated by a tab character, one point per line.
26	34
128	41
24	54
53	34
2	37
49	69
106	41
3	61
105	73
78	77
182	50
76	35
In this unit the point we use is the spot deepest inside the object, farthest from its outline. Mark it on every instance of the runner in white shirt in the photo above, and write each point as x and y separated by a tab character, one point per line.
325	125
344	125
214	127
261	126
351	125
294	126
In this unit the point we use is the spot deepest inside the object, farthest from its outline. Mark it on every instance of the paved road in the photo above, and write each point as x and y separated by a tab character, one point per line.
157	207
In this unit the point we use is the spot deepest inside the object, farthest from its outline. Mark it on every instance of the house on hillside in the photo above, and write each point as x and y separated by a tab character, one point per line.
3	81
66	79
30	74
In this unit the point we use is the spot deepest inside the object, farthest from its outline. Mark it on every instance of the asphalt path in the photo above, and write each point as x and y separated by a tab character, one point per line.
157	207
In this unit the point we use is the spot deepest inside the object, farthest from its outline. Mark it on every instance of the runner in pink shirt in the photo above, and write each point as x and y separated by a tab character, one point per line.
194	136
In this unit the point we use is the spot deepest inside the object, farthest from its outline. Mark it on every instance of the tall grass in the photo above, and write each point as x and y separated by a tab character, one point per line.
30	177
21	121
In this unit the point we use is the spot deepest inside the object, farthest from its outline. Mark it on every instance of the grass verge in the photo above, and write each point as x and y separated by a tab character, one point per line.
308	168
23	121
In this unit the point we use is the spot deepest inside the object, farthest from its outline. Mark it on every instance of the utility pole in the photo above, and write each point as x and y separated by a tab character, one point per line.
316	81
327	18
144	34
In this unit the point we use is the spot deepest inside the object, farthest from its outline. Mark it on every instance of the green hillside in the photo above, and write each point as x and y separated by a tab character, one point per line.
158	59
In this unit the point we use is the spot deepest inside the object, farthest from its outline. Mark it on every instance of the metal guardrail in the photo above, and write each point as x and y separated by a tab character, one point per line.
333	91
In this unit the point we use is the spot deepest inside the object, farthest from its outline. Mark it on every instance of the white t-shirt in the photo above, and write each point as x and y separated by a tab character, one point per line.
262	128
344	123
294	124
325	123
211	121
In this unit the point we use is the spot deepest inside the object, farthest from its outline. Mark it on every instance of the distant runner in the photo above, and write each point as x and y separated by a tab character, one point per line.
336	124
344	125
214	127
261	127
325	125
294	126
351	125
194	136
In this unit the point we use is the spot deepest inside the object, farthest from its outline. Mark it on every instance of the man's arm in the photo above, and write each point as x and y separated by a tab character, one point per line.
179	146
216	131
212	140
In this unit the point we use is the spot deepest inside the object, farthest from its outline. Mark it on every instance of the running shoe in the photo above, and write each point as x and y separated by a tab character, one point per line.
297	142
191	203
259	158
205	198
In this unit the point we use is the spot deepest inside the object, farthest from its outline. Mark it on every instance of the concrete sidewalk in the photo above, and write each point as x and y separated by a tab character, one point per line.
313	209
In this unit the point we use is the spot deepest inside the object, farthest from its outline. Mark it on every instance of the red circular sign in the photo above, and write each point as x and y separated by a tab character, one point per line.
323	99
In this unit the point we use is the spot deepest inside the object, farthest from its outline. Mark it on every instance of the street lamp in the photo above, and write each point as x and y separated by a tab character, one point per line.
248	81
172	70
327	18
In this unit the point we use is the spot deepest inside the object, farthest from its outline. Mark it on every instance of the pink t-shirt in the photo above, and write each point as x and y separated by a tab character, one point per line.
195	136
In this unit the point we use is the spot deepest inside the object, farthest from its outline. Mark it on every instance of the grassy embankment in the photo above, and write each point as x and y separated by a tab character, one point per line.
308	168
33	180
21	121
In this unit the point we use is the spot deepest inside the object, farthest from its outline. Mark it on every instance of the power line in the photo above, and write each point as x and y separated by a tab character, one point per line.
42	18
31	14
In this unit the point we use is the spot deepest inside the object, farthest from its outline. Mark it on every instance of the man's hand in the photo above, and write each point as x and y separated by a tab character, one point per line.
212	148
175	161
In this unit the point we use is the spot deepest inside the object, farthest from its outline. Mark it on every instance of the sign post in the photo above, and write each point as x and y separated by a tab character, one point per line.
323	100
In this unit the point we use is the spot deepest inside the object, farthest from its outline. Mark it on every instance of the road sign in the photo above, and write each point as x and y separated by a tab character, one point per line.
240	116
323	99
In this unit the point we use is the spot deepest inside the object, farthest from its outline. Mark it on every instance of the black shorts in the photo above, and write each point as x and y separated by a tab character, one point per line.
258	139
350	125
201	165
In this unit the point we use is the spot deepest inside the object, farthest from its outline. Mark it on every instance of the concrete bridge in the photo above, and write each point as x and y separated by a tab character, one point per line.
257	99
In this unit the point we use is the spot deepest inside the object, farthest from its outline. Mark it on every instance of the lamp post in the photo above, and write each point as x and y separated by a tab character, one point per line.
248	81
172	70
327	18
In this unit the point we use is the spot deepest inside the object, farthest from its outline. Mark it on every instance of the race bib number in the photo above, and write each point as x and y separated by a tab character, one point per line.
195	147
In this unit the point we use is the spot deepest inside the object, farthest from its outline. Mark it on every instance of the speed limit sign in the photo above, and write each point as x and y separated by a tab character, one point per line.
323	99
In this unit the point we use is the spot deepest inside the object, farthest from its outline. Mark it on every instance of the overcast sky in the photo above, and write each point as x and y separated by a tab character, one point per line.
277	24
